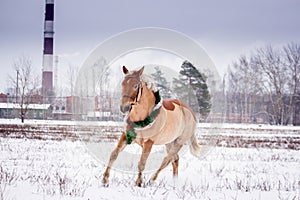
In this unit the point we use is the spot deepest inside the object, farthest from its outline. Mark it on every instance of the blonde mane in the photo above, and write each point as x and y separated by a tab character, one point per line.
149	82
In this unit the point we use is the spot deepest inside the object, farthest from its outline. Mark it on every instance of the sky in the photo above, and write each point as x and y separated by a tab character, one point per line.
225	29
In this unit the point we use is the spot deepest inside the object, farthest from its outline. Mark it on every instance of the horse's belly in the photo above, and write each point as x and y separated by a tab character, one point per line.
167	136
166	132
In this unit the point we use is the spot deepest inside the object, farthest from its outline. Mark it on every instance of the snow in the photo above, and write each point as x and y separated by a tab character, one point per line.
66	170
113	123
50	169
248	126
60	122
29	106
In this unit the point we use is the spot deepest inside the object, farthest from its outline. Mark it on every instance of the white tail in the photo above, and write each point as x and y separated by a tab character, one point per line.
194	146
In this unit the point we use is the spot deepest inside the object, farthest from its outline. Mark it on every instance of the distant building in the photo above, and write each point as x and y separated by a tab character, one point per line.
69	108
36	99
3	98
106	107
35	111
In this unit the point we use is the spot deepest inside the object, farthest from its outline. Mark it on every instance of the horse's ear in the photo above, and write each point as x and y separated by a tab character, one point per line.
125	70
140	72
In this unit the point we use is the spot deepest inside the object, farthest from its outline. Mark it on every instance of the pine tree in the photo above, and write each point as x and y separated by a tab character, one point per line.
161	83
184	92
191	87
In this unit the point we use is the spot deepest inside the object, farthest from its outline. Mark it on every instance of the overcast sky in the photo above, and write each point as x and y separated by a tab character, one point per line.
225	29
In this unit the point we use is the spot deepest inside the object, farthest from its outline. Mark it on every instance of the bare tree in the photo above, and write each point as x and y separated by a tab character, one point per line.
26	84
72	74
271	77
292	62
244	80
269	63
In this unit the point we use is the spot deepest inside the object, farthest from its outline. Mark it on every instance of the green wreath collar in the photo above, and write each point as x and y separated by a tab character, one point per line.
144	124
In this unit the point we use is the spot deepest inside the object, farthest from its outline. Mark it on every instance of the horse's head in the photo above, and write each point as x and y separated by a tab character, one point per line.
131	89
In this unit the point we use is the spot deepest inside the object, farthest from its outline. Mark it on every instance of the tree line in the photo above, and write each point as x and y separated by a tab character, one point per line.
263	85
267	84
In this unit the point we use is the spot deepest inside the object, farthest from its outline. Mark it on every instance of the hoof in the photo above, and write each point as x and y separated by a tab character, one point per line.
106	185
150	182
138	183
105	182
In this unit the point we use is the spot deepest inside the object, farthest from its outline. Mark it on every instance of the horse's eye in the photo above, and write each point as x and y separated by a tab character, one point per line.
135	86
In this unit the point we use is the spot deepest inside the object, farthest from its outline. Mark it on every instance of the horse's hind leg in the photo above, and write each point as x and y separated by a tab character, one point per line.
175	164
175	161
174	149
113	156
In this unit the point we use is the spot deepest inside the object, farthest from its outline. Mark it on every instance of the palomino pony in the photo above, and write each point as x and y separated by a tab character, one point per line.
152	121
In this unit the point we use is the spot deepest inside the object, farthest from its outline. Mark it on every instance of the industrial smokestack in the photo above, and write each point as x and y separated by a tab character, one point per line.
47	79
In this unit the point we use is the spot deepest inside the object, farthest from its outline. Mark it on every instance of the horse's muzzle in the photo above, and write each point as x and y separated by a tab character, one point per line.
125	108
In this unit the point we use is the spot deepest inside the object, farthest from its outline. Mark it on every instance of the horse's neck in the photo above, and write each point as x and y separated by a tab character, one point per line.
144	106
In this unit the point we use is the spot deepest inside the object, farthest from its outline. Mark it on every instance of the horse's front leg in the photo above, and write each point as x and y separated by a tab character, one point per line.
145	154
113	156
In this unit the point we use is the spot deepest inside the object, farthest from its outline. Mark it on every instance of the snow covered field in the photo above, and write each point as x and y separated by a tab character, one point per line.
66	169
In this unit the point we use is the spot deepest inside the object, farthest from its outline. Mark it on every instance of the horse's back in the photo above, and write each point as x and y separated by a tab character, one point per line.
176	120
169	104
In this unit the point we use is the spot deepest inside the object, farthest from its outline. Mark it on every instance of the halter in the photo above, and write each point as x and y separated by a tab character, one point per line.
139	89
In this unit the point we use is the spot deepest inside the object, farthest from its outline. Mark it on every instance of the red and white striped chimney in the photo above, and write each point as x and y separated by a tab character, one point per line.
47	79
